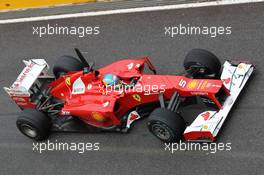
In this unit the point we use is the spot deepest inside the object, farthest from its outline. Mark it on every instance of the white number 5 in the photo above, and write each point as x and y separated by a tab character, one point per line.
182	83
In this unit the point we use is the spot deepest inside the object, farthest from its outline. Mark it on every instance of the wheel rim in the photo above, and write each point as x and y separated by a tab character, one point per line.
161	131
205	72
28	130
202	70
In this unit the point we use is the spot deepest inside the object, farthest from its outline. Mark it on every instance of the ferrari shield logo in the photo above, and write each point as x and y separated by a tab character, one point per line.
68	81
136	97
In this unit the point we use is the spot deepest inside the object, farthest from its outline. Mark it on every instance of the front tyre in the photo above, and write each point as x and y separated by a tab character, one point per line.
34	124
166	125
202	64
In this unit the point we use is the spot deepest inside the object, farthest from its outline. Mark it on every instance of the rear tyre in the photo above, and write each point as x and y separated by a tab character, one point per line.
166	125
207	65
34	124
66	64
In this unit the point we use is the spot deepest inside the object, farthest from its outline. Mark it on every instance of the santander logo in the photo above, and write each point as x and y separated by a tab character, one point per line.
227	80
206	115
24	74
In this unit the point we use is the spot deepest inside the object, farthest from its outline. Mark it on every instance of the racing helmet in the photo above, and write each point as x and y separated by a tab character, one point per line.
110	80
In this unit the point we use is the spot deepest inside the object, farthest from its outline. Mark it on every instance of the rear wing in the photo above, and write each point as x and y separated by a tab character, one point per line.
33	70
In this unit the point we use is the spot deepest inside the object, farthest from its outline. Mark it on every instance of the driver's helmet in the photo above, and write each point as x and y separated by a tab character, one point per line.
110	80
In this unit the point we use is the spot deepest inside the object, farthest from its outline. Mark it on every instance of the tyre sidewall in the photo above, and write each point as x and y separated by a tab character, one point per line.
66	64
172	121
169	130
36	120
204	58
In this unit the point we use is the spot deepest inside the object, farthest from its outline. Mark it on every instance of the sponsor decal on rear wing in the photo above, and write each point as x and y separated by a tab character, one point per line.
34	69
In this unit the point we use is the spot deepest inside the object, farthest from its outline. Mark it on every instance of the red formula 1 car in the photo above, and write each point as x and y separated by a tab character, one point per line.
112	97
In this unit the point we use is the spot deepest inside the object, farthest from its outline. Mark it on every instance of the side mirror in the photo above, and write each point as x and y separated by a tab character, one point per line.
96	73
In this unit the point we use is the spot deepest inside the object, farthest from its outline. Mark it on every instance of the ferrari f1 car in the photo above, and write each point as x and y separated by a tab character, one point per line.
79	97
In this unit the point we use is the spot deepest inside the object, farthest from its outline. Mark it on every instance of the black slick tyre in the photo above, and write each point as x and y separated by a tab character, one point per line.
166	125
34	124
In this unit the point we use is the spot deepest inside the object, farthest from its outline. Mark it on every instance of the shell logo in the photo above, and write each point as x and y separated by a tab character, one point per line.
98	117
204	84
241	66
205	127
192	84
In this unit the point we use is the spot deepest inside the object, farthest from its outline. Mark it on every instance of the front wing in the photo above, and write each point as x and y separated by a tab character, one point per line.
207	124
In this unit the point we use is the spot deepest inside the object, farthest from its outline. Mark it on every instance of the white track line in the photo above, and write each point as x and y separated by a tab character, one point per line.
130	10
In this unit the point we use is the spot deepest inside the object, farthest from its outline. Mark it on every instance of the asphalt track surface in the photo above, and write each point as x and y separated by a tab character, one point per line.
135	35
